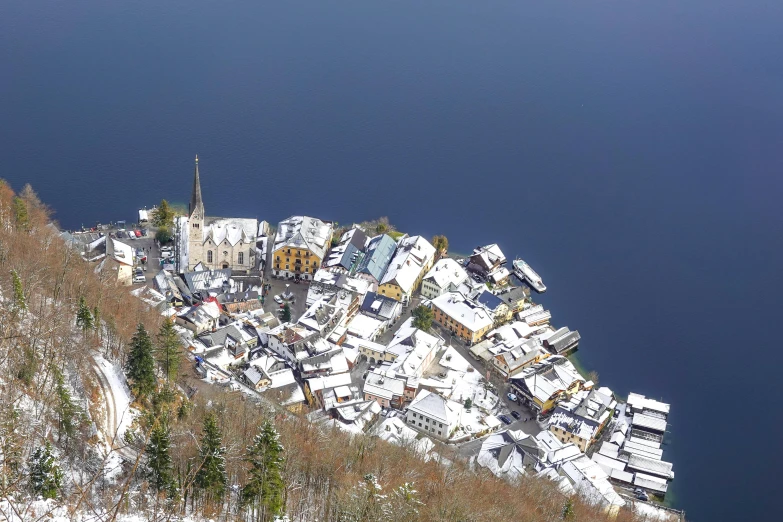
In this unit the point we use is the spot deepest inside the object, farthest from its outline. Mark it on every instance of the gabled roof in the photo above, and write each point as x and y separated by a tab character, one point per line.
380	305
446	272
435	407
467	313
377	257
413	253
207	280
304	232
347	250
231	230
490	300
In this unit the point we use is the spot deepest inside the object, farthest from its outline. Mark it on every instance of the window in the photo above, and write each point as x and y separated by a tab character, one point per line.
420	425
278	258
286	267
307	262
195	225
209	256
241	258
307	254
225	253
438	432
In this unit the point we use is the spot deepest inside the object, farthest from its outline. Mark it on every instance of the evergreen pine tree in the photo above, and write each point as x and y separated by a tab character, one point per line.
19	304
211	475
21	216
265	487
286	316
67	410
160	469
45	474
140	368
84	316
168	349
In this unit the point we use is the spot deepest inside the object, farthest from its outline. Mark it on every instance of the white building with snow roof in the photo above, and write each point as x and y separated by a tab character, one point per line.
413	259
433	414
445	276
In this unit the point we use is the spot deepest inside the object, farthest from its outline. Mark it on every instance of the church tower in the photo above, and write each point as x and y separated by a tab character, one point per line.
196	223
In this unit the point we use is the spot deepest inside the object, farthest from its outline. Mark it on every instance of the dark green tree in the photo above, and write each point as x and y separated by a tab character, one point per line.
45	474
140	368
19	304
21	216
84	318
68	412
160	467
286	315
468	403
164	235
211	475
422	318
265	488
167	349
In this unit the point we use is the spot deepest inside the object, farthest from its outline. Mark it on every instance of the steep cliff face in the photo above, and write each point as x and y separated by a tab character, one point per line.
77	444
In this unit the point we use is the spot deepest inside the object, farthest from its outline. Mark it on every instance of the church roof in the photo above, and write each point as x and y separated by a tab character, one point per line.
196	203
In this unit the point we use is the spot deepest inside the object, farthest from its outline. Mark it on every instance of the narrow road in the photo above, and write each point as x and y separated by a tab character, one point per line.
112	418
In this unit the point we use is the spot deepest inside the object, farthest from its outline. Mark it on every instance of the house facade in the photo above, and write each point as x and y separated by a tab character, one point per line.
301	244
445	276
414	258
434	415
464	318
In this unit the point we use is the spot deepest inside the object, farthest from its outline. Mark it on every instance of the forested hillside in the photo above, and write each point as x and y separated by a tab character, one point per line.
68	339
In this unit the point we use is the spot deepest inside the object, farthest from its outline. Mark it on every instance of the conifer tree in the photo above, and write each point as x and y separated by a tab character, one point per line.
21	216
211	475
168	349
140	368
66	409
265	488
19	304
286	316
160	468
84	316
45	474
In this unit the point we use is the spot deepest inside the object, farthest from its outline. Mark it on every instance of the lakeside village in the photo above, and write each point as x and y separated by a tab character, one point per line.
379	332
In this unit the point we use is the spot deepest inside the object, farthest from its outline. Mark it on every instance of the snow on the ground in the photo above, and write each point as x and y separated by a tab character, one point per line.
651	512
465	382
122	397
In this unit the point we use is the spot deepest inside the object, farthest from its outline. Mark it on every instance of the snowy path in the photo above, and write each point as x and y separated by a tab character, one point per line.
117	400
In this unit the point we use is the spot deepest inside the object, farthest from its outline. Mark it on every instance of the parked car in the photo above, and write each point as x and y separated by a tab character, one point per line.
505	419
137	232
145	232
516	415
384	412
278	299
511	397
119	234
131	235
139	278
166	255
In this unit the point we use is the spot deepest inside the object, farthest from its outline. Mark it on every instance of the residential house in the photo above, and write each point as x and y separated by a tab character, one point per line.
382	308
511	362
200	318
513	453
374	261
414	258
323	316
445	276
591	483
289	341
488	262
347	252
582	418
237	339
515	297
315	388
165	284
431	413
372	351
301	244
497	308
387	391
326	363
206	283
394	430
119	259
365	327
465	319
239	302
546	383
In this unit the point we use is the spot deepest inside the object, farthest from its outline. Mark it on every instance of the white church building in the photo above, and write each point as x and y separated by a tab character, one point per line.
215	242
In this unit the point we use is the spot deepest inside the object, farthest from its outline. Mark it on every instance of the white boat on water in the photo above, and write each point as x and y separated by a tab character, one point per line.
526	273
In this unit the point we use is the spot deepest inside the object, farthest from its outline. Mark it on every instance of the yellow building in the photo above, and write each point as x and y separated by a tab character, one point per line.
463	318
301	243
414	258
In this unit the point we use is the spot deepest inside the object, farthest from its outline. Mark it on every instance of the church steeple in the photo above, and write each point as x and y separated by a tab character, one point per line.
196	203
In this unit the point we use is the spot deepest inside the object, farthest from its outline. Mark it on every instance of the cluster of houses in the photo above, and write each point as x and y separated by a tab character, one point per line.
417	388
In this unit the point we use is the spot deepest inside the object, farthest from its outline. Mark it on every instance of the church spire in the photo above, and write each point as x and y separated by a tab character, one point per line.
196	203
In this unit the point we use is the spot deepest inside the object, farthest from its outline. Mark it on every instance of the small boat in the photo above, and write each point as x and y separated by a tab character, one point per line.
527	274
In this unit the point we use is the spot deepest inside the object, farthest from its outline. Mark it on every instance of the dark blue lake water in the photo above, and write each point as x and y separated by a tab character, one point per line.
630	151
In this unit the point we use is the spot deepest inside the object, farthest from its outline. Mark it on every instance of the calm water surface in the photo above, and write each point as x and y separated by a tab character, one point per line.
630	151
